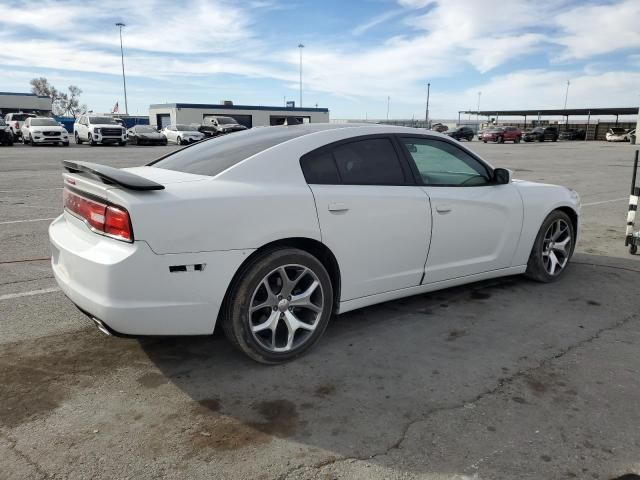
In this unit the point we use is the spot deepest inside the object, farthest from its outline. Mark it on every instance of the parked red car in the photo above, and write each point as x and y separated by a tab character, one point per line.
502	134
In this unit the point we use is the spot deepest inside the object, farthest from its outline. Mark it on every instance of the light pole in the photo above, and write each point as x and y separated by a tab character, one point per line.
388	103
478	111
124	80
300	46
426	113
566	94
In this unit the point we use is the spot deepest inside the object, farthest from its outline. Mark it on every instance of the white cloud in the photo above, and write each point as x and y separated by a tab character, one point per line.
599	29
375	21
415	3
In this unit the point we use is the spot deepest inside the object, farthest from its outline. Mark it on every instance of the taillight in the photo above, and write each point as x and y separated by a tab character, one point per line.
109	220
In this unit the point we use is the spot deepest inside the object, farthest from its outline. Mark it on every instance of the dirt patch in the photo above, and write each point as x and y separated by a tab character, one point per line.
152	380
221	433
37	376
211	404
593	303
325	390
479	295
456	334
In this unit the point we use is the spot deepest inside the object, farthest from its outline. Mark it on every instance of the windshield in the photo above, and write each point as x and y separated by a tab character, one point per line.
495	130
103	120
144	129
2	124
186	128
44	122
226	120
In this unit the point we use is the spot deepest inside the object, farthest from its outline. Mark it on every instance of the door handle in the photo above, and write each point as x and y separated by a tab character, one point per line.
338	207
443	208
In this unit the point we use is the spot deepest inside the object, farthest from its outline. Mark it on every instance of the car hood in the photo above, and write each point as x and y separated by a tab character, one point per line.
149	135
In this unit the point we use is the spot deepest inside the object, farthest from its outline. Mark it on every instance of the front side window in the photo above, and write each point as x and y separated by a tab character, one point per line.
369	162
441	163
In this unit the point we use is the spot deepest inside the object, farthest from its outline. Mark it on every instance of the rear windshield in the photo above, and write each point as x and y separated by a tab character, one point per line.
214	156
20	117
144	129
44	122
618	130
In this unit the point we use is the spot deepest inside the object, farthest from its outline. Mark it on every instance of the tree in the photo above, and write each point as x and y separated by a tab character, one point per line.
62	103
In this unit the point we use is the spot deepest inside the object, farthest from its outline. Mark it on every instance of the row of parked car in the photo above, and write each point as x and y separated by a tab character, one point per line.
94	130
537	134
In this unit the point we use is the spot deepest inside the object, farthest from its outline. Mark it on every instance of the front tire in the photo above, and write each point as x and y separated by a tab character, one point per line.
33	144
77	137
178	141
552	249
278	306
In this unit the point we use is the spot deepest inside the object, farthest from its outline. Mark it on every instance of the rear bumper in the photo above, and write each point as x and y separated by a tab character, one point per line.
131	290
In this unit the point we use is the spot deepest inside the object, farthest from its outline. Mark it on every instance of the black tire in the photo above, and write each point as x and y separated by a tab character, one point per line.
517	140
77	137
484	141
178	141
236	321
65	144
23	140
500	140
123	144
92	142
633	249
536	269
31	141
470	139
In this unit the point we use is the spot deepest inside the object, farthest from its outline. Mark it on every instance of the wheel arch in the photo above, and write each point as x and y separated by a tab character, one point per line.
573	215
314	247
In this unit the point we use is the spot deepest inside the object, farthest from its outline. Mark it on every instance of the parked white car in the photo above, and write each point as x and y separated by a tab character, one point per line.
617	134
41	130
273	230
98	130
15	121
181	134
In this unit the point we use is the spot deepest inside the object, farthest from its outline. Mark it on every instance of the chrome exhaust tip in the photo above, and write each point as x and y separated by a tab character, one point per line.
101	326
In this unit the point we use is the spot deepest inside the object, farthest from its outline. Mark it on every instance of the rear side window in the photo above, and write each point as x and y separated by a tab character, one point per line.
214	156
320	169
369	162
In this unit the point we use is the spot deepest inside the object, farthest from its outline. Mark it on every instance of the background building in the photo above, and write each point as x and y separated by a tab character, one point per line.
164	114
11	102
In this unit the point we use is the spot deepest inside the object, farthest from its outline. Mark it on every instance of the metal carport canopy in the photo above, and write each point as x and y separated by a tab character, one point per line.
559	111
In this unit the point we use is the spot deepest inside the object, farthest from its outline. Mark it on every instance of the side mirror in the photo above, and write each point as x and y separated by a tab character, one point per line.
502	176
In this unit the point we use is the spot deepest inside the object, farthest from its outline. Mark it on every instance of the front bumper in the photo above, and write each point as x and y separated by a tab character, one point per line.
99	138
41	138
131	289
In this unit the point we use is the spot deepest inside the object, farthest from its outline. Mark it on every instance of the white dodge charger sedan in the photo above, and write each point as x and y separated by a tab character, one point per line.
271	231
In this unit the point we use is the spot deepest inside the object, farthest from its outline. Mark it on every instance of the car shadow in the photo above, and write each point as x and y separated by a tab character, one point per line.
380	368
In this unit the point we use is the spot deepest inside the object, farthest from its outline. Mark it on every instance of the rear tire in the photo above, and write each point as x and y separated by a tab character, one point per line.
178	141
552	249
288	330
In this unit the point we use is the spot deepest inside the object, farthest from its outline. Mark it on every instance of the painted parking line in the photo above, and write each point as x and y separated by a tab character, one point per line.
28	221
27	190
42	291
605	201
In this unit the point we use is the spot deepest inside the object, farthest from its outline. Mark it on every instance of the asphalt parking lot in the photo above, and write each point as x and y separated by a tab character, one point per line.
503	379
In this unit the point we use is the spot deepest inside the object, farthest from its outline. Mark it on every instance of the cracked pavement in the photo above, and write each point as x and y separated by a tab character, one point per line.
496	380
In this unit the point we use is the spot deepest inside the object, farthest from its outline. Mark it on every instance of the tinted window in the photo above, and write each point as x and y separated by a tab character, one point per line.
320	168
441	163
20	117
369	162
213	156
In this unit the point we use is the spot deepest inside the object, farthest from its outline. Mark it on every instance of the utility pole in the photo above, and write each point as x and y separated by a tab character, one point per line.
124	80
388	102
566	95
426	113
300	47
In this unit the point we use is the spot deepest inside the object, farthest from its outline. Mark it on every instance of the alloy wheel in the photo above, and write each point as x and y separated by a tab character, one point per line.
286	308
556	247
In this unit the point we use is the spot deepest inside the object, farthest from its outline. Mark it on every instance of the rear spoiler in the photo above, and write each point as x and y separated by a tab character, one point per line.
112	176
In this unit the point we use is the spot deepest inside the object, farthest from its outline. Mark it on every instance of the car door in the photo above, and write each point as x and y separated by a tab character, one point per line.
476	223
372	215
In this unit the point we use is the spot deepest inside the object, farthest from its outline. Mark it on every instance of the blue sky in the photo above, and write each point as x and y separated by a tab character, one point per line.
518	53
